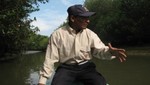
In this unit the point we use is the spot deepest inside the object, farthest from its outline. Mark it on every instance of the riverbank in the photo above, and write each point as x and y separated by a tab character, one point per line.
139	51
135	51
9	56
31	52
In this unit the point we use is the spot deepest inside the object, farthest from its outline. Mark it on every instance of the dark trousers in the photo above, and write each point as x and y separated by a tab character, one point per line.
86	73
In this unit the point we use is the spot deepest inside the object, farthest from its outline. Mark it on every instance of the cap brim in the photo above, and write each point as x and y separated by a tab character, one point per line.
87	14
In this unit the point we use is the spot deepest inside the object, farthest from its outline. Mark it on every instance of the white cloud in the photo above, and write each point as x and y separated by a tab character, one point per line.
43	25
71	2
48	21
66	2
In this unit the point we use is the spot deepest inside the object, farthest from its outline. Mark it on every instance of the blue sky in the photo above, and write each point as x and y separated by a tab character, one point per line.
52	15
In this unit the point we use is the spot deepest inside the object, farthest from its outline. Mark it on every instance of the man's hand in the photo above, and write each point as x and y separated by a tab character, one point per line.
119	53
40	84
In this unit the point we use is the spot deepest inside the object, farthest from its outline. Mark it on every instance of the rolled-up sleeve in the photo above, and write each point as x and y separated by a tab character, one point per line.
51	57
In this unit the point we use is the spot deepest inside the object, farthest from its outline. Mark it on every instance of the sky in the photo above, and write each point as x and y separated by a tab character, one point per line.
52	14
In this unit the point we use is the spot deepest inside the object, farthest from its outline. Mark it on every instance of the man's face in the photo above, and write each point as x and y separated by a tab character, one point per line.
81	22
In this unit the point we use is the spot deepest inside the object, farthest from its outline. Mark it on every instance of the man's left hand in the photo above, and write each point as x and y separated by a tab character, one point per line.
118	53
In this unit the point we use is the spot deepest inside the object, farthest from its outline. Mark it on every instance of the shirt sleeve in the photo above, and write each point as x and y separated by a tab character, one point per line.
99	49
50	58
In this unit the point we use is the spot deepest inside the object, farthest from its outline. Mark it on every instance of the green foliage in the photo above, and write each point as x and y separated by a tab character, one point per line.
15	28
137	13
37	42
121	21
107	13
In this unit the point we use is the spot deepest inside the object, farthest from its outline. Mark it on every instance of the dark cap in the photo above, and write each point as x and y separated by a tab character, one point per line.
79	10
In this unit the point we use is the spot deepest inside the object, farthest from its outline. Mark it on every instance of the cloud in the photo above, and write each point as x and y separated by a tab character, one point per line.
41	23
66	2
71	2
48	21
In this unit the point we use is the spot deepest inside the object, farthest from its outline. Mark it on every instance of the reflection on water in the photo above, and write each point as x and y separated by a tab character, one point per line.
21	71
33	78
24	70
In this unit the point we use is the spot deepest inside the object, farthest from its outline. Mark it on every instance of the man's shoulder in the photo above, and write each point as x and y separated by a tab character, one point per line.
59	30
89	31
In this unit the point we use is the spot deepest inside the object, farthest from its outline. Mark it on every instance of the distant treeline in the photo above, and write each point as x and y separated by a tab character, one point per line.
37	42
123	22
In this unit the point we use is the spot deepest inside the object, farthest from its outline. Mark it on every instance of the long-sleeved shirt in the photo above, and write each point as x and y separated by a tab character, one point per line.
67	46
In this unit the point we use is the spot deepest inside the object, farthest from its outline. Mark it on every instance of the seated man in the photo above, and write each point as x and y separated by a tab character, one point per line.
73	46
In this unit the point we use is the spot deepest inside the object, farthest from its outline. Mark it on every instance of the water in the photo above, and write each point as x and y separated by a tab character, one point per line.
21	71
24	70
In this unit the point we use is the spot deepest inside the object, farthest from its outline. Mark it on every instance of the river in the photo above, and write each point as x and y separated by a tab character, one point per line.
24	70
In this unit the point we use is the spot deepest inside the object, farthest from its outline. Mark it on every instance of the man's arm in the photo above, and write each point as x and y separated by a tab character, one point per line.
50	58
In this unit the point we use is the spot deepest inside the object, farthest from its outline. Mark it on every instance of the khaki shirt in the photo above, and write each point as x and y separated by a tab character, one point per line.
67	46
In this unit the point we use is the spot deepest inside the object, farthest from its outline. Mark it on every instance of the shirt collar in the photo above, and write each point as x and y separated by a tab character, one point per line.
71	30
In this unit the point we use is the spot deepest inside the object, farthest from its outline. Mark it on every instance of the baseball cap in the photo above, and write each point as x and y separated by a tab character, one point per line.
79	10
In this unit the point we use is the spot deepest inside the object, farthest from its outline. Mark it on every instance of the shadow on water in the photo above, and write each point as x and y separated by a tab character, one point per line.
25	69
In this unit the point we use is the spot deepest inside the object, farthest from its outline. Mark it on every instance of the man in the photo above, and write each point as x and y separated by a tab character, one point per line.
73	46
